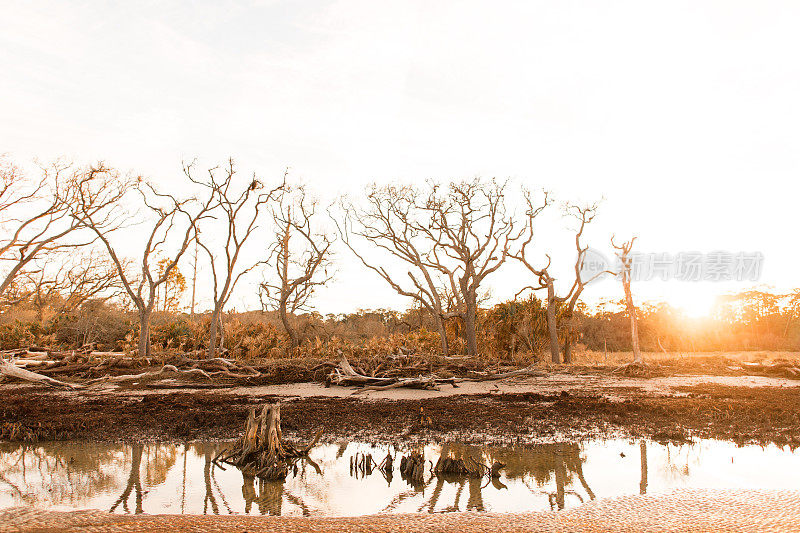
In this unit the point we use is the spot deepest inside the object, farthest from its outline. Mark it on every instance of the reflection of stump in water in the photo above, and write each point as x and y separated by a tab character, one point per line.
270	497
134	482
361	465
412	469
470	467
475	500
261	451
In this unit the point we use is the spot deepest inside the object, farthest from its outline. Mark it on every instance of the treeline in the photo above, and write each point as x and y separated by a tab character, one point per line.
750	320
96	257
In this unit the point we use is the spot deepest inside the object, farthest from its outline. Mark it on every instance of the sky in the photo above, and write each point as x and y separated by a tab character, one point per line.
682	116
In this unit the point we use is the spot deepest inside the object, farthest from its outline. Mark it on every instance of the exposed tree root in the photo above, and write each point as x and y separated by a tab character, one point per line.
261	451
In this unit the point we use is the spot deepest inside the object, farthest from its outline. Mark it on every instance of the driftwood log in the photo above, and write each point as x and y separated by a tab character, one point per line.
261	451
8	368
345	375
41	365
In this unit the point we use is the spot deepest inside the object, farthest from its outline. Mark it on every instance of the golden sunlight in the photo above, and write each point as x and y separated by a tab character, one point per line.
692	303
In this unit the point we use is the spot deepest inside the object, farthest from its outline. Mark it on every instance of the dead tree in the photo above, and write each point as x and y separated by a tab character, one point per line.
584	215
40	216
623	252
544	279
170	217
299	270
234	216
471	233
69	281
388	223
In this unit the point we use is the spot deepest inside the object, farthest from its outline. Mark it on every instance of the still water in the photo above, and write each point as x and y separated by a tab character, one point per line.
161	478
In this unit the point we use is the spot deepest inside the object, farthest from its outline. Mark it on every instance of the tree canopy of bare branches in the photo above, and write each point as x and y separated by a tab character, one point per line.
388	222
301	268
451	236
233	215
473	232
172	227
39	216
69	281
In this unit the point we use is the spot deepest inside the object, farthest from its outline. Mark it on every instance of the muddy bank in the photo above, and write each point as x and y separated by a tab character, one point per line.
742	414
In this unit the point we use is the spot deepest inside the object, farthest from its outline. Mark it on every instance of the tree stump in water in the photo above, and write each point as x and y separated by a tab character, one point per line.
261	451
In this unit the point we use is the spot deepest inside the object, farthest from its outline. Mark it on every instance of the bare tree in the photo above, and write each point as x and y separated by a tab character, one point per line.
389	223
234	213
39	216
68	282
472	232
623	252
544	279
301	269
170	217
453	237
584	215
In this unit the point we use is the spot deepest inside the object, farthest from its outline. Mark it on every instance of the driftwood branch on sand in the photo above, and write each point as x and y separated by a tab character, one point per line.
8	368
345	375
41	365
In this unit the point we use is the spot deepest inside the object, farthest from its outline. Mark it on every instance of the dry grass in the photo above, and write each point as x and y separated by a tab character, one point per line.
593	358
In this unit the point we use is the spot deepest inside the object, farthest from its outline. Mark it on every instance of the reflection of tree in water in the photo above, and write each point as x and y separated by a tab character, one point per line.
643	460
475	485
134	482
158	461
672	468
561	462
58	472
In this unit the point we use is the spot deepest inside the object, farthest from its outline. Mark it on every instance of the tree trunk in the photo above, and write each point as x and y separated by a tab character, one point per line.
552	326
569	332
144	333
294	341
470	337
443	335
212	335
637	354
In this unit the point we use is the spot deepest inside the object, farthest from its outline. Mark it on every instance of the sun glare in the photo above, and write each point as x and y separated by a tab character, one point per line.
693	304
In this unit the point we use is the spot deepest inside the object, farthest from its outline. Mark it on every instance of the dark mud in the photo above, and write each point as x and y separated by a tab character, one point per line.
741	414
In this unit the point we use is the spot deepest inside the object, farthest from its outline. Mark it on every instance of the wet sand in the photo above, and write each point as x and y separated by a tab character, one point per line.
687	510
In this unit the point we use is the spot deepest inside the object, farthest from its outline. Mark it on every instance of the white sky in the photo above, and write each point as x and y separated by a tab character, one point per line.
684	115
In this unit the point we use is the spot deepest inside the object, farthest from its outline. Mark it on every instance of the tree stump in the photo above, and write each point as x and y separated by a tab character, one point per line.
261	451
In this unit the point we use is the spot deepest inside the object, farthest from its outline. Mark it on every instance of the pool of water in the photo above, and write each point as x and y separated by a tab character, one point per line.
162	478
